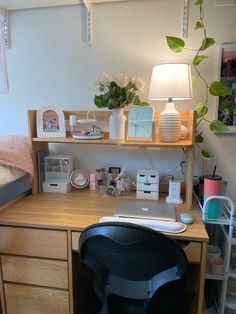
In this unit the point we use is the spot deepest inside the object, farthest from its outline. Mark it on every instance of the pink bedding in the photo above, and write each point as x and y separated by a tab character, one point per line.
14	152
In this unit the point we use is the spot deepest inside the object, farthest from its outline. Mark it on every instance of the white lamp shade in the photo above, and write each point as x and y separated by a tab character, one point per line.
171	81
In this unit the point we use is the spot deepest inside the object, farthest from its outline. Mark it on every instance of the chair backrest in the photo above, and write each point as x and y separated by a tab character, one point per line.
136	270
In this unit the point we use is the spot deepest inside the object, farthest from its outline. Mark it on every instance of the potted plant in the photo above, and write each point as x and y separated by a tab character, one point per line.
117	93
215	88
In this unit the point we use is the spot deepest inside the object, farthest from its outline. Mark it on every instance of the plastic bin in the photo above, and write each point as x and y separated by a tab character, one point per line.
229	311
230	305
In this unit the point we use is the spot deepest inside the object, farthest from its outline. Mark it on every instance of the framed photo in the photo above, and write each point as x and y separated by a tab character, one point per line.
50	122
226	109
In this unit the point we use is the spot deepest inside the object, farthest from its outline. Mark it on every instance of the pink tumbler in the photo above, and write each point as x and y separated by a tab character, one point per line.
212	186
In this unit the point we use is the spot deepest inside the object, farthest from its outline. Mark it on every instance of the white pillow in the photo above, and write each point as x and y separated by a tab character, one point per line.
9	174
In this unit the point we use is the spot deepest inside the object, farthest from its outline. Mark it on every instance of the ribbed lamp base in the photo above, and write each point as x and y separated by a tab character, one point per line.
169	124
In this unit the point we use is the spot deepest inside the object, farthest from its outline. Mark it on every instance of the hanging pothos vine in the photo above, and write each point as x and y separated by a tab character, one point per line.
215	88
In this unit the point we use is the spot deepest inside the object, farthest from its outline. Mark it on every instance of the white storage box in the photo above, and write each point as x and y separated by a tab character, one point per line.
56	185
57	173
147	184
148	176
147	187
153	178
148	195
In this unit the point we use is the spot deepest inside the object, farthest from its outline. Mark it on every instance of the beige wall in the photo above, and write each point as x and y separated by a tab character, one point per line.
50	63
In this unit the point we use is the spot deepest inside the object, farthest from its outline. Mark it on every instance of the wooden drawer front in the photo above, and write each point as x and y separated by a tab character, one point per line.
75	240
22	299
193	251
50	273
33	242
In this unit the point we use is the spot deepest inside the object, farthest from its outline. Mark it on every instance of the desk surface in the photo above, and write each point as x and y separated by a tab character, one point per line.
78	209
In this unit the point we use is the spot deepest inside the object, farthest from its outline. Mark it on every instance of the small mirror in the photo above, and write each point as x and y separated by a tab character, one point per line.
140	123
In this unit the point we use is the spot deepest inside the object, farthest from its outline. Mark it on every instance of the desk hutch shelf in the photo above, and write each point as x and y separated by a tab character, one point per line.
188	118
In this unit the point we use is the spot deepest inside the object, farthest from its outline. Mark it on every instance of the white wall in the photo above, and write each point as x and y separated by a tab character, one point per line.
50	63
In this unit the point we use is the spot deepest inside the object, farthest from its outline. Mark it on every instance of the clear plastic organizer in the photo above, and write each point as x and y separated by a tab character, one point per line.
59	166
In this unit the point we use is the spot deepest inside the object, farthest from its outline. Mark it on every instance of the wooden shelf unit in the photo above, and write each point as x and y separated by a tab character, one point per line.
188	119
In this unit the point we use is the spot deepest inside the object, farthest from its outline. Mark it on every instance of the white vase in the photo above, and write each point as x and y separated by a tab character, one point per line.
117	124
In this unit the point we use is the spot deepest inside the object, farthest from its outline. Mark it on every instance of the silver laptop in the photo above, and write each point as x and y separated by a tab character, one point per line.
146	210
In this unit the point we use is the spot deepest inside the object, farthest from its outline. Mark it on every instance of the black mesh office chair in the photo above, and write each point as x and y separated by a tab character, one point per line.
136	270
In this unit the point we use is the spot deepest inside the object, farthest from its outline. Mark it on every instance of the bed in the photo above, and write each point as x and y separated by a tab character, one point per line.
16	168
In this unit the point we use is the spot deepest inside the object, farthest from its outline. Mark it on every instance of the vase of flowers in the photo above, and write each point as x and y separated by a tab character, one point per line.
117	93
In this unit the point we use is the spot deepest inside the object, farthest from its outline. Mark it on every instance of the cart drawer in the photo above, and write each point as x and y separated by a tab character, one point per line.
33	242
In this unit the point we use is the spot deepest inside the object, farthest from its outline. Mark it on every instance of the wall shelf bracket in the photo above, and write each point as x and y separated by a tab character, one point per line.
4	18
185	18
88	6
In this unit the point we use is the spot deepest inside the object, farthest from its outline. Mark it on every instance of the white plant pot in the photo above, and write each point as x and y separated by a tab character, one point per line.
117	124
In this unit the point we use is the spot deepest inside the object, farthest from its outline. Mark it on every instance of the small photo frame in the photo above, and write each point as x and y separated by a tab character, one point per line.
226	106
50	122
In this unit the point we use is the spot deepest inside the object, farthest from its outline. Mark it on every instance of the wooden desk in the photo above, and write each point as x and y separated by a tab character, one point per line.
38	236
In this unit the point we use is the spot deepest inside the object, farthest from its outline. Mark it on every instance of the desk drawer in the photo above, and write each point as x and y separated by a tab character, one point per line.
34	242
193	251
22	299
42	272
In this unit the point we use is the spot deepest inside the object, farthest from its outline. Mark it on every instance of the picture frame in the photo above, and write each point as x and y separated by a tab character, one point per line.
50	121
226	105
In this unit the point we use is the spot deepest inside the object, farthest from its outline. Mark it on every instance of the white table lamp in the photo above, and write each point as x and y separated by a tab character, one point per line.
170	81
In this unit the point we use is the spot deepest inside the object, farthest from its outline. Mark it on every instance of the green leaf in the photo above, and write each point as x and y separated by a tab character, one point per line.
98	100
176	44
105	98
194	79
198	59
199	138
206	43
218	126
136	100
218	89
201	109
206	153
199	2
199	24
143	103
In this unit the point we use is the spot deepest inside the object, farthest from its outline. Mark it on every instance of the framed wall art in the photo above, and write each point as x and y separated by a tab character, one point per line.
226	106
50	122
